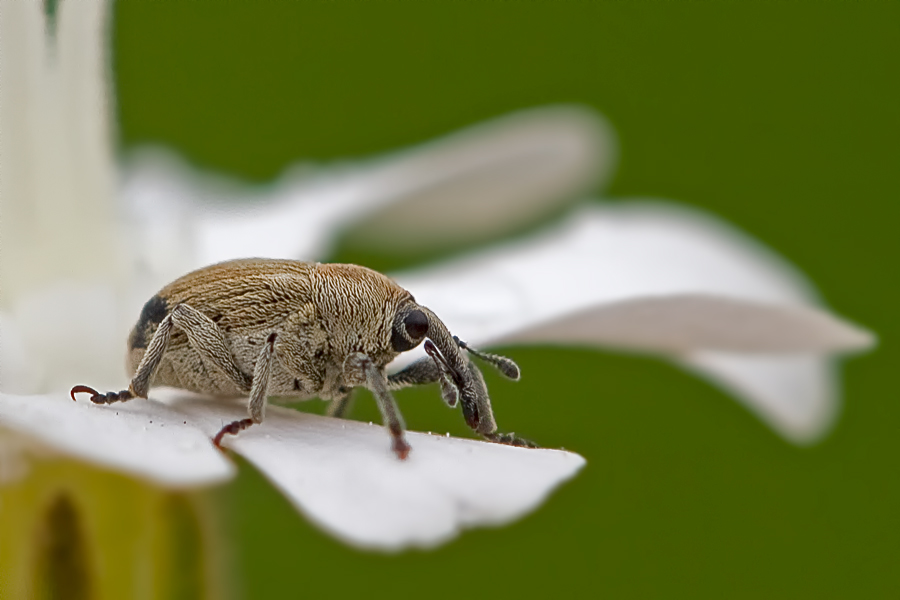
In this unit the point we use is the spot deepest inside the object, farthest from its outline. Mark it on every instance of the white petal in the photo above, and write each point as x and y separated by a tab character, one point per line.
20	374
489	179
183	219
796	395
63	333
683	322
343	475
499	175
638	276
657	278
56	174
143	438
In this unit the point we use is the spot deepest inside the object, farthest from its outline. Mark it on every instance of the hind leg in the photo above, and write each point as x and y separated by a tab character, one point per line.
203	335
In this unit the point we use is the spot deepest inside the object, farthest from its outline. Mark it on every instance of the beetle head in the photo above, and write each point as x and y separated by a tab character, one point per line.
460	378
447	351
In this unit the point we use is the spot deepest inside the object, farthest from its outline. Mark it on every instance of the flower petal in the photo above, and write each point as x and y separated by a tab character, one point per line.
142	438
683	322
56	175
797	395
62	333
343	475
499	174
637	276
489	179
654	277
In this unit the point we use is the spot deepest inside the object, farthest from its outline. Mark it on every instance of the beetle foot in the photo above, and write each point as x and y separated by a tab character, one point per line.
401	448
233	428
510	439
98	398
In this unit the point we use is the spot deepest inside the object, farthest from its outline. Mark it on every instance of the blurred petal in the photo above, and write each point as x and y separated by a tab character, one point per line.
62	333
682	322
343	475
797	395
653	277
143	438
636	276
56	175
20	375
490	179
485	180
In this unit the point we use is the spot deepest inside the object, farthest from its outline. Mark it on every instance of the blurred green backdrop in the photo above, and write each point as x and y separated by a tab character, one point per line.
781	117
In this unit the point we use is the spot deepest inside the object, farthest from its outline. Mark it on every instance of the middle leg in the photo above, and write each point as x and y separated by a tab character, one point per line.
427	370
262	373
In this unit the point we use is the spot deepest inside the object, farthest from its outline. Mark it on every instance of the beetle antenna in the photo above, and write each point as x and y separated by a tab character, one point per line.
503	364
473	395
449	391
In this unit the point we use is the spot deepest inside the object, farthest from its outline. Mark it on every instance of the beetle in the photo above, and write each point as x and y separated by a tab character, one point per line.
263	327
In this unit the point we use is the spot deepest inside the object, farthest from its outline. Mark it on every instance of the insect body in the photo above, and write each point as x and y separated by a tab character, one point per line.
288	328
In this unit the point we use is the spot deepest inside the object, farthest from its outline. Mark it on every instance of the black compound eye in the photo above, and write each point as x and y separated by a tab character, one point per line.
416	324
409	329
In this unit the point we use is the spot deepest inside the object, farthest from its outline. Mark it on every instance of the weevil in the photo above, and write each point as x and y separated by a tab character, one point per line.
262	327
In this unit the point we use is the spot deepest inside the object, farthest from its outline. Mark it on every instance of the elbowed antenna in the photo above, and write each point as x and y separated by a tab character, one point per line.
449	391
473	394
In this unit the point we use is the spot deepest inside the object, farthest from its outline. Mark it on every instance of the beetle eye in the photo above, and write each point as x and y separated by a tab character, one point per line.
408	330
416	324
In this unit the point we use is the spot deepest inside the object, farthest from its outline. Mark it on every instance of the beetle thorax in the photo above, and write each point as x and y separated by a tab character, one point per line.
357	308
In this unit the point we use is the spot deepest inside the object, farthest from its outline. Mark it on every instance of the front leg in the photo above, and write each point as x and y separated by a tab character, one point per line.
476	403
427	370
359	366
476	407
510	439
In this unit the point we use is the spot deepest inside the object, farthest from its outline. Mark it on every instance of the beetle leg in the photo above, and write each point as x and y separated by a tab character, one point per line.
262	372
377	383
203	335
468	380
207	339
419	372
339	406
140	383
98	398
479	416
427	370
510	439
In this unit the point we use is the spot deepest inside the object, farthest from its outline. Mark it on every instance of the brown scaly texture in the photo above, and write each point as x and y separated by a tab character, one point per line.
321	313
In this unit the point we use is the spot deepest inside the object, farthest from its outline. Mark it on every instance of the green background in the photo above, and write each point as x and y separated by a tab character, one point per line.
780	117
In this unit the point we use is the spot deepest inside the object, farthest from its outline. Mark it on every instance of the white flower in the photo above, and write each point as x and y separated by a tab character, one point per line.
65	315
635	275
